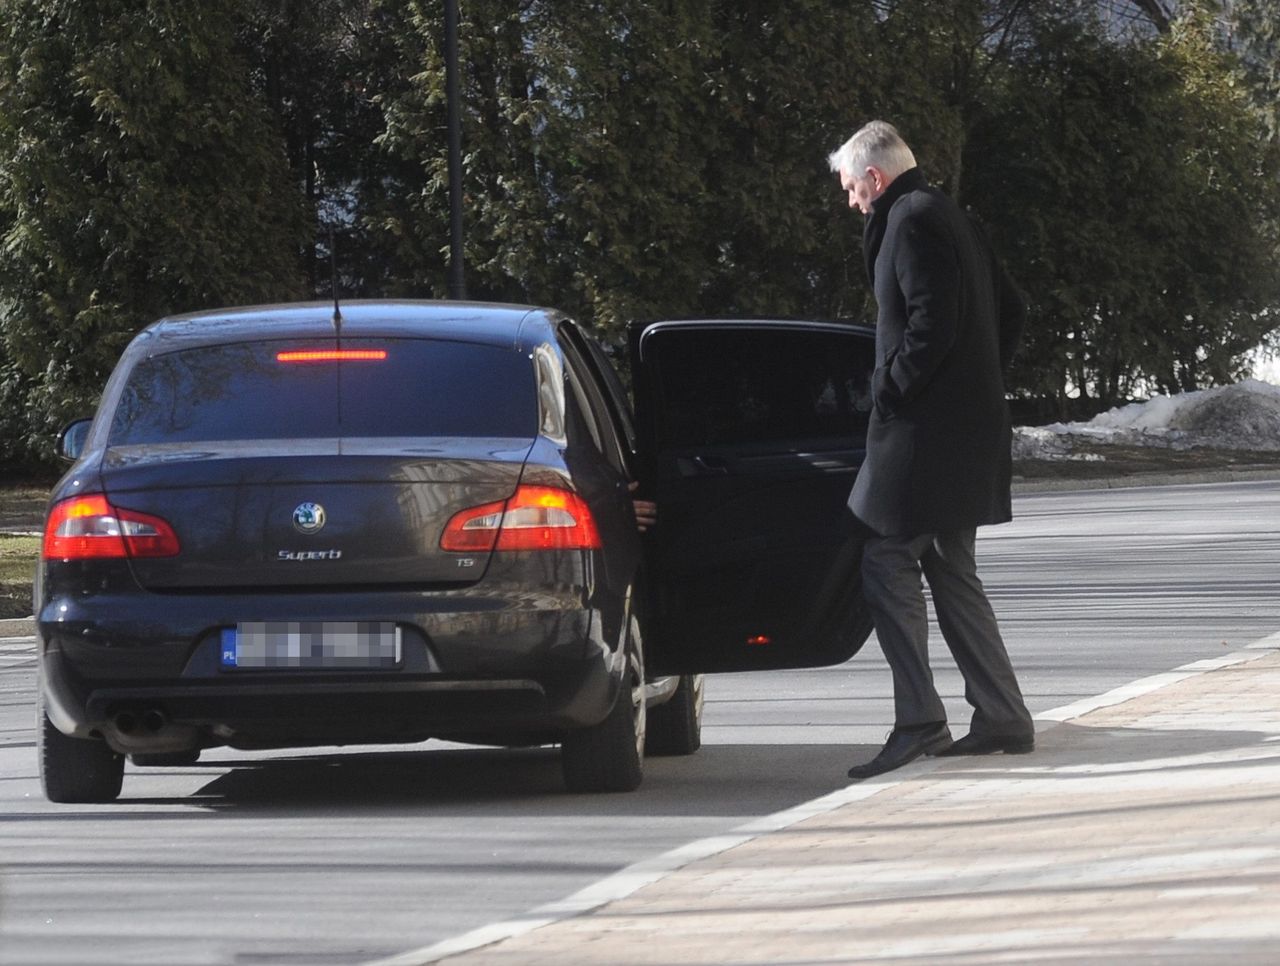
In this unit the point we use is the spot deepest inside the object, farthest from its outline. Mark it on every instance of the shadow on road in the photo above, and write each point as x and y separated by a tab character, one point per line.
1070	751
720	780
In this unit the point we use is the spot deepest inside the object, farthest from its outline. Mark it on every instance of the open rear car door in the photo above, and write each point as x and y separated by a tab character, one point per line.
751	433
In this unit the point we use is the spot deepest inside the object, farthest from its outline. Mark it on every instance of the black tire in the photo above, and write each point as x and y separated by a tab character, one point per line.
76	770
166	759
609	757
675	727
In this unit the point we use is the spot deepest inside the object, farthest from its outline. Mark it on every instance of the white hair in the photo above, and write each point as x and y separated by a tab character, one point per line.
877	144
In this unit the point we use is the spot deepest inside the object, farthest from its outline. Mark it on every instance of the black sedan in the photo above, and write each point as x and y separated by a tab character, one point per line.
293	525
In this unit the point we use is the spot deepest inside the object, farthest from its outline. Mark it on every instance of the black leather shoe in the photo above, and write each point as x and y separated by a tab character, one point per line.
903	747
990	744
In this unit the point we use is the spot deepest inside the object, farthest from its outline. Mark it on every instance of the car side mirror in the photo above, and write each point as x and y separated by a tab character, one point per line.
71	440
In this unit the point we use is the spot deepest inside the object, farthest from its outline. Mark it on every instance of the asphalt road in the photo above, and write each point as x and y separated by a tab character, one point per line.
333	857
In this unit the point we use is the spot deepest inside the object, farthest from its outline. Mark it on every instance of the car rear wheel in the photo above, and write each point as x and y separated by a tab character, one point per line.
609	757
675	728
77	770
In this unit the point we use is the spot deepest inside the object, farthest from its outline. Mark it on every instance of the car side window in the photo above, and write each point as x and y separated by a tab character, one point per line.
592	407
618	398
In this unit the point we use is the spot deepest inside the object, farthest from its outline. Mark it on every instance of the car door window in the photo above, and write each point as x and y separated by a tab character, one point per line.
763	387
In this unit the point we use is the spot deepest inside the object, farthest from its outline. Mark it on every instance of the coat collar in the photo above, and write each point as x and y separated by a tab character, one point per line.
878	221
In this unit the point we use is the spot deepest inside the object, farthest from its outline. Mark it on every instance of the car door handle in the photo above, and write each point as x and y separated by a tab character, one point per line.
702	466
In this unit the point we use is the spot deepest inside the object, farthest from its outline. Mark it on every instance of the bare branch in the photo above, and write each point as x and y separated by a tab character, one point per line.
1159	12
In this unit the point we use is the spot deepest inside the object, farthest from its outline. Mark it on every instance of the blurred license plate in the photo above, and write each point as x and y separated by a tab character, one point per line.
311	644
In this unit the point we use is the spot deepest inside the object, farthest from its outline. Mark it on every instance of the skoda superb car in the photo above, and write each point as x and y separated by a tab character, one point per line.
304	525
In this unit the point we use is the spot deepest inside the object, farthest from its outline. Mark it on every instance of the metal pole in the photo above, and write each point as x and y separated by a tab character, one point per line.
457	281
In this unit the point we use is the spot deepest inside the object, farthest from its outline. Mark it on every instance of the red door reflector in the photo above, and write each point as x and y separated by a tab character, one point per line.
759	640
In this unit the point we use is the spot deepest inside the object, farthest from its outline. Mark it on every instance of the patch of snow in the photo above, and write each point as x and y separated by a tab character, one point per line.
1245	416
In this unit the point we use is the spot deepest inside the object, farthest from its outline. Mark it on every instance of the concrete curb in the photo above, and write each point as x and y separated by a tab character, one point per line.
18	627
1155	478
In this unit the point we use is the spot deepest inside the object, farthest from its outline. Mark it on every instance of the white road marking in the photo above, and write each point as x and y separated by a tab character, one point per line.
1135	689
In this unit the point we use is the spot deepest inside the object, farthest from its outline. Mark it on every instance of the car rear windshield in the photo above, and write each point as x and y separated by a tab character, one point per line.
295	389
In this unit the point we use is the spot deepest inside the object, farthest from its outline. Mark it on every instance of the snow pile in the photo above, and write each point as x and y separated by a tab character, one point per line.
1245	416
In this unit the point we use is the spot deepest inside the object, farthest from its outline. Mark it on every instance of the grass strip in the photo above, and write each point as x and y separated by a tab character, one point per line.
18	555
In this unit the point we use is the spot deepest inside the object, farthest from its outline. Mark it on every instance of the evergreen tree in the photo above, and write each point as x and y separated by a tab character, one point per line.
322	67
626	158
1127	182
1223	288
787	243
1256	33
139	176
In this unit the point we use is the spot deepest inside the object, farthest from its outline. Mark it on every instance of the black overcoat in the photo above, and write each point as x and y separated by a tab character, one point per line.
938	447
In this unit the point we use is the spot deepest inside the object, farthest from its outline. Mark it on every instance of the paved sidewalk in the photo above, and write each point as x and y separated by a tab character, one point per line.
1145	831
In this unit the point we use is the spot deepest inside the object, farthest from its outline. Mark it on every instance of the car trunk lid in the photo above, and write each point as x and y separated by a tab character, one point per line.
247	515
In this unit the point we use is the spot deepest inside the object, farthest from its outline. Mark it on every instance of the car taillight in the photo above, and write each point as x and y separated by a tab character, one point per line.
88	527
533	518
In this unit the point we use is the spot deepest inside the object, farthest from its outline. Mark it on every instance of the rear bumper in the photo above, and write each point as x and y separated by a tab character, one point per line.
150	719
151	681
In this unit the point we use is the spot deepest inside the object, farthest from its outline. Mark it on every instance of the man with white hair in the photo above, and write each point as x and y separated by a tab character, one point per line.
938	449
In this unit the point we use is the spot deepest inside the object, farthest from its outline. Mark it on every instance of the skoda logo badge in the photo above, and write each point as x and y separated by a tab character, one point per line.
308	517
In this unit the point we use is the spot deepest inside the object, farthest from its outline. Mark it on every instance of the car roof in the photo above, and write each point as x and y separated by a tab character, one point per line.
489	323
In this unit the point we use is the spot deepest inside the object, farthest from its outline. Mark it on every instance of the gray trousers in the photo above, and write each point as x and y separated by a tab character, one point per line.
891	572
